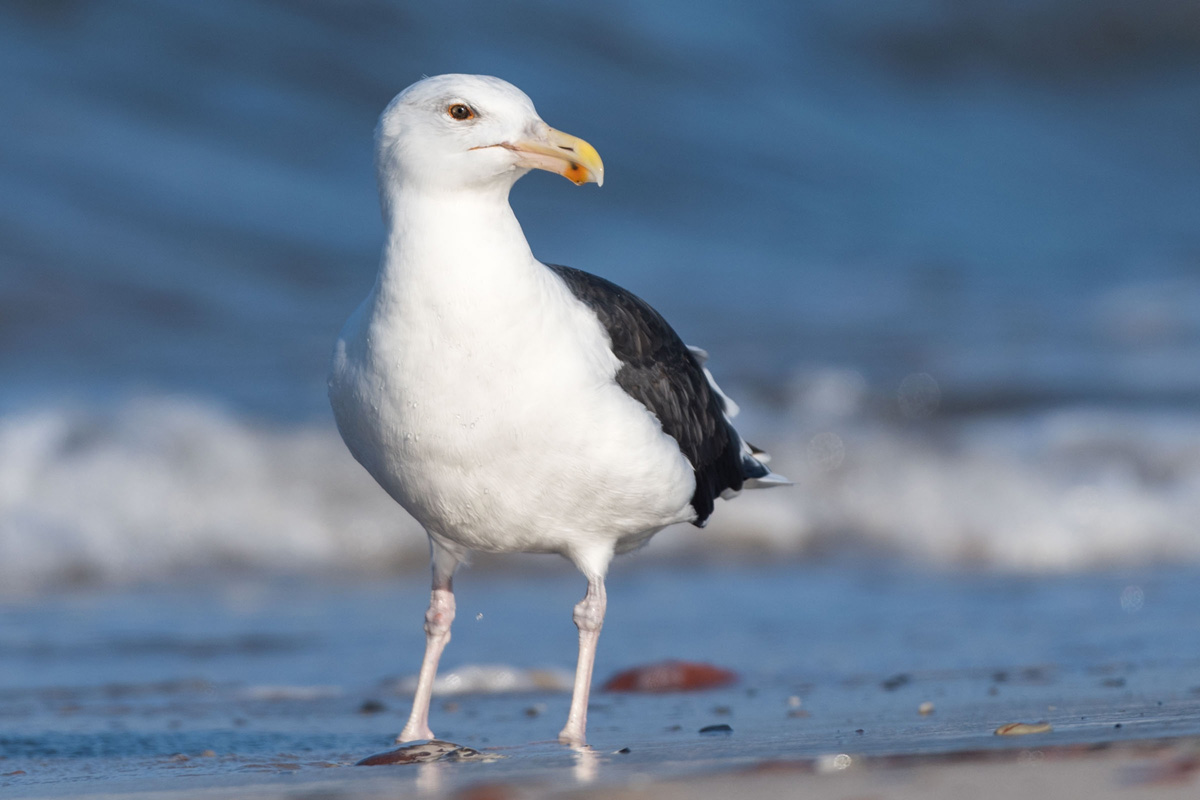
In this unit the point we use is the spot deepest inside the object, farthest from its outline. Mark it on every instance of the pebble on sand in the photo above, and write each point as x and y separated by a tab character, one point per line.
426	752
671	676
925	709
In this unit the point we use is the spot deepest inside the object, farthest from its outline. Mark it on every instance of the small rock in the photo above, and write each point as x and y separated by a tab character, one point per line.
371	707
671	676
535	710
714	729
895	682
415	753
624	751
471	754
925	709
1023	728
860	731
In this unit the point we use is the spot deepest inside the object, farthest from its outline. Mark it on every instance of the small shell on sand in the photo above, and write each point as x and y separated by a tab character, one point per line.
925	709
1023	728
423	752
671	676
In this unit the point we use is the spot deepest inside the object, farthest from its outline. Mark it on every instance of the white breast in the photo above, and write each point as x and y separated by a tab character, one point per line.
489	411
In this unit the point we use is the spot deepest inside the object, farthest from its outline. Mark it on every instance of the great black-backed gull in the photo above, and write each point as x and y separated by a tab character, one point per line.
507	404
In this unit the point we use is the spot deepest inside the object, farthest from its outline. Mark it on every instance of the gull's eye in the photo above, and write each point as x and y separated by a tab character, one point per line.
460	111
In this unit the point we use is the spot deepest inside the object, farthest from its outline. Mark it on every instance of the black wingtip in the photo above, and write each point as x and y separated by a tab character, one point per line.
752	467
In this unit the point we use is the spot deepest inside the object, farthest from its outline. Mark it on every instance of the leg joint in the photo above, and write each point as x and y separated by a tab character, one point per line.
440	615
589	612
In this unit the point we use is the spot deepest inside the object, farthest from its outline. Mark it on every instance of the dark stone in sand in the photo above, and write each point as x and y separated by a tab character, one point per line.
371	707
895	682
711	729
624	751
1035	675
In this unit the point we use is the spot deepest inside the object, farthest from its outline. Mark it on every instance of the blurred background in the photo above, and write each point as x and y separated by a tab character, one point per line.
944	253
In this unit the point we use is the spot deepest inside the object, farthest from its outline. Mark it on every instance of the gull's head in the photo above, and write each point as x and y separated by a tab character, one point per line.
453	132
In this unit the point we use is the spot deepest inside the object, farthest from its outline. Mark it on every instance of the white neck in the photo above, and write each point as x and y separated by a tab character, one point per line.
451	244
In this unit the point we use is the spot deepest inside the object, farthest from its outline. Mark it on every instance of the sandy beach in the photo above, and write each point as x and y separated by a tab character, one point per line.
1152	769
276	688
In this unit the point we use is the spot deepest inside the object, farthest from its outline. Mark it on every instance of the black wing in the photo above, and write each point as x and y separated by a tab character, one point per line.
659	371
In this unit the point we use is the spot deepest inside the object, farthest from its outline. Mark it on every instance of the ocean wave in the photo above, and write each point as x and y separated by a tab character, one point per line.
158	486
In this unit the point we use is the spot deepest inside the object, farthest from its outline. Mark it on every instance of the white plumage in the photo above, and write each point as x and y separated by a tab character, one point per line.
476	386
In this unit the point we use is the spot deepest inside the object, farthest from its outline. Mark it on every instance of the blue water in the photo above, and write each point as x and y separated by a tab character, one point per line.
1001	198
945	256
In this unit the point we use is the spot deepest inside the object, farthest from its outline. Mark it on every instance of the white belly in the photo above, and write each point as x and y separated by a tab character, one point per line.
505	434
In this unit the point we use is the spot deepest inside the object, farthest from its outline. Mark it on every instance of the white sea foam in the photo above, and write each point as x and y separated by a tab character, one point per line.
159	486
167	484
493	679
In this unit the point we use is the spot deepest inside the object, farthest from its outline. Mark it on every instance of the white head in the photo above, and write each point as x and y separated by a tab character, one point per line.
453	132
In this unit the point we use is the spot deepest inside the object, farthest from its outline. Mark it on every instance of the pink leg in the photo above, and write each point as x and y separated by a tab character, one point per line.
437	633
589	618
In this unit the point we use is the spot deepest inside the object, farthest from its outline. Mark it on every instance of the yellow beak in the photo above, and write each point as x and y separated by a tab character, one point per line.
562	154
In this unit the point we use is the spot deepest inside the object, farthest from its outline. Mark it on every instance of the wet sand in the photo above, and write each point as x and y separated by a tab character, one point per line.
275	688
1144	769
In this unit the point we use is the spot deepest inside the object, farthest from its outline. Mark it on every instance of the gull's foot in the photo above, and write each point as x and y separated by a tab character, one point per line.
572	737
415	734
